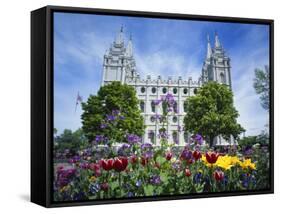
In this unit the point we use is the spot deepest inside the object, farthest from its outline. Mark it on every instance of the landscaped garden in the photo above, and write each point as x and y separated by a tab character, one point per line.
110	160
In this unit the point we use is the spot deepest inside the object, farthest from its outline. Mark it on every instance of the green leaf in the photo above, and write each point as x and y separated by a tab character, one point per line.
148	190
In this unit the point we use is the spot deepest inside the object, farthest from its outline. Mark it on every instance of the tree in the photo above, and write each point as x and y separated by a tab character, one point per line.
73	141
112	114
211	113
261	85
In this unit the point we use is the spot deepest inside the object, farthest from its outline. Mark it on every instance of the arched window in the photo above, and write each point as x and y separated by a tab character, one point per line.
153	90
185	106
175	107
152	119
186	137
152	106
164	90
185	90
151	136
222	77
175	137
175	119
142	89
164	107
175	90
142	105
195	90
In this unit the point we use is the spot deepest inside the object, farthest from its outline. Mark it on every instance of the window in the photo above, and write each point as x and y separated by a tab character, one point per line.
175	137
195	90
142	89
185	90
175	119
164	90
222	77
151	136
185	136
152	119
153	90
185	106
175	107
152	106
142	106
175	90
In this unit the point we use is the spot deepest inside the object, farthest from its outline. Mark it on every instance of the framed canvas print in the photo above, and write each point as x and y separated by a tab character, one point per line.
134	106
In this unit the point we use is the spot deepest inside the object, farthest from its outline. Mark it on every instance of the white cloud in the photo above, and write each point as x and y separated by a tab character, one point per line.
252	116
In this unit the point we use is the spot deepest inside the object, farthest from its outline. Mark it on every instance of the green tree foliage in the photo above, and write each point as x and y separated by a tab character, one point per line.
211	113
112	97
73	141
262	139
261	85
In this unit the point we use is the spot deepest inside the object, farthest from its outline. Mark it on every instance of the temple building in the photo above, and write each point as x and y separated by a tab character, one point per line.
119	65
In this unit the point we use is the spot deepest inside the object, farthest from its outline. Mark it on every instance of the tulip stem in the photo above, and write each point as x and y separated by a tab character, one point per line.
119	181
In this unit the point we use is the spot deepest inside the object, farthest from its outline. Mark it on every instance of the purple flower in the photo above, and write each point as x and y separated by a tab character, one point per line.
110	117
198	138
155	179
186	154
146	145
64	176
138	183
163	135
132	138
157	102
148	154
103	125
197	177
84	165
99	138
115	112
75	159
176	166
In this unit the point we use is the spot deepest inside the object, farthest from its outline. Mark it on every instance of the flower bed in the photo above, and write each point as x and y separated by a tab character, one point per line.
151	171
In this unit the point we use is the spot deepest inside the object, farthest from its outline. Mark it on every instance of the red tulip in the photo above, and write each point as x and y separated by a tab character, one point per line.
96	168
187	172
169	156
196	155
144	161
120	164
212	157
219	175
133	159
104	186
107	164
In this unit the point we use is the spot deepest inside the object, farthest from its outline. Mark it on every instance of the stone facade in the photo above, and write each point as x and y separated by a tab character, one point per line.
119	65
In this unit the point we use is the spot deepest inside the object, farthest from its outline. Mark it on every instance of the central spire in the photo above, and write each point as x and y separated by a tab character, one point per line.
120	37
209	49
217	41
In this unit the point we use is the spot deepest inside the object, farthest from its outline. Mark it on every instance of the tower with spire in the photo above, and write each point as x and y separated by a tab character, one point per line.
216	66
119	63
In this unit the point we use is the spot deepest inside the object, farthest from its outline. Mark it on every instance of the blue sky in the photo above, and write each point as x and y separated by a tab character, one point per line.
161	47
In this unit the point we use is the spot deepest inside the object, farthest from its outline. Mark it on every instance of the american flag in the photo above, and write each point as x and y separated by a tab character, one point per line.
79	99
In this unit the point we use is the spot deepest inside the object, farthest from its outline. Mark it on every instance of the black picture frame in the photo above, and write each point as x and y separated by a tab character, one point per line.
42	102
